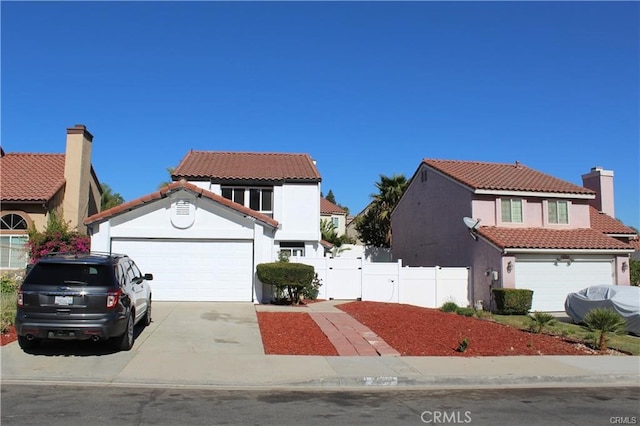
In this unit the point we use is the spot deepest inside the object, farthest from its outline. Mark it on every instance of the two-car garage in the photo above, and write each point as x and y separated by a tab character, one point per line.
194	270
551	279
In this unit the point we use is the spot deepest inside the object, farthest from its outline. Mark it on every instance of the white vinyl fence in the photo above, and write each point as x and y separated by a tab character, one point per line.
351	279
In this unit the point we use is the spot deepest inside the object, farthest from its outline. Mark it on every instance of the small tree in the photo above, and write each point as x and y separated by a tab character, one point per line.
603	321
56	238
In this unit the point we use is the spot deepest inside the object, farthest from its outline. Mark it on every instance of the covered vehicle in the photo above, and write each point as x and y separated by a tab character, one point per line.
624	300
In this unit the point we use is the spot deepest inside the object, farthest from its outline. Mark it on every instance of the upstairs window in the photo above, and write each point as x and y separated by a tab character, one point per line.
511	210
293	248
258	199
558	212
335	221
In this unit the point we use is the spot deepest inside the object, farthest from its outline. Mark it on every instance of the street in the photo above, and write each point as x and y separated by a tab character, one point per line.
110	405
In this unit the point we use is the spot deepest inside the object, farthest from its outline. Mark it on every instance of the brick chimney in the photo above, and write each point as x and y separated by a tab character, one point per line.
601	181
77	174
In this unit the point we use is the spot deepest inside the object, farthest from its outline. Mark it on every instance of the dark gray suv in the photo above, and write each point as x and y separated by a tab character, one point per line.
94	296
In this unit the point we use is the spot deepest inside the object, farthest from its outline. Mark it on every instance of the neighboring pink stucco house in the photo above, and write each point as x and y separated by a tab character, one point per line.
531	230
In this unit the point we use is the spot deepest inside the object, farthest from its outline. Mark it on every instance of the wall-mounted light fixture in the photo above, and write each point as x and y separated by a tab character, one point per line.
509	266
625	266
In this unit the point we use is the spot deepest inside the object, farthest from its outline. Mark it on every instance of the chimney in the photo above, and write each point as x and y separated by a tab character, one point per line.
601	181
77	174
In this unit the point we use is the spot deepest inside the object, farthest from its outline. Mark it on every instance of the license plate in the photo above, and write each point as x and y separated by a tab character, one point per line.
64	300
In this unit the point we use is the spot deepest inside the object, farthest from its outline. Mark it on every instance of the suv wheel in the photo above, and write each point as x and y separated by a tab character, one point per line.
27	344
147	315
125	342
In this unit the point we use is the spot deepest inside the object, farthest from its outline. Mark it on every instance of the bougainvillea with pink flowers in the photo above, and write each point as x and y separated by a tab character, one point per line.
56	238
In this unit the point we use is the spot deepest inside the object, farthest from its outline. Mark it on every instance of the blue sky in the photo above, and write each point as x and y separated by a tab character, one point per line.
365	88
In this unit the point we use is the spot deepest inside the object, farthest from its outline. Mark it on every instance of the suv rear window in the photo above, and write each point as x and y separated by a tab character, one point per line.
69	275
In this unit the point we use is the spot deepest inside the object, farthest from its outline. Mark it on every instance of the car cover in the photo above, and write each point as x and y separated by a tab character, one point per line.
625	300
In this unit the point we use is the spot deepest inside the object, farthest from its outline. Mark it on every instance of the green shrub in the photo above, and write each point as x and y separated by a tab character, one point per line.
8	283
512	301
467	312
311	292
634	272
602	321
540	320
449	307
292	279
463	345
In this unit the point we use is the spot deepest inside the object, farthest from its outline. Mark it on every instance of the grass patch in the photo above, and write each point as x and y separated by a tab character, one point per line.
7	309
626	343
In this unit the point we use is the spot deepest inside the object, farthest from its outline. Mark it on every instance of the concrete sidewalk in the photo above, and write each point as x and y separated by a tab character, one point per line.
196	344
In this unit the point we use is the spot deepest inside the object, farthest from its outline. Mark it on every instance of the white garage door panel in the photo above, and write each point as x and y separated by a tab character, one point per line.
185	270
551	281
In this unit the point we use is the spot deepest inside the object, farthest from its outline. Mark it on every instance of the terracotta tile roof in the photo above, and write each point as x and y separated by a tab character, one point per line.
327	207
174	187
542	238
504	177
606	224
26	177
247	166
635	244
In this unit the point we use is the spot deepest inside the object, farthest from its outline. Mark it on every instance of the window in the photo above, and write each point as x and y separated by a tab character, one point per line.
511	210
234	194
558	211
259	199
12	222
13	251
292	249
335	221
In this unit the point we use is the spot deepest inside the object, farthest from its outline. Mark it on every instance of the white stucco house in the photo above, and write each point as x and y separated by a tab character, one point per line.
226	212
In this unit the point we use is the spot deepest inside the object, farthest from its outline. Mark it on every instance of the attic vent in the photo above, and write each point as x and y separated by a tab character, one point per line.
183	213
183	208
423	175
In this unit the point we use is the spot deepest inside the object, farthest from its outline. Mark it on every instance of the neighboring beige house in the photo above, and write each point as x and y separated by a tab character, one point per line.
35	184
334	214
530	230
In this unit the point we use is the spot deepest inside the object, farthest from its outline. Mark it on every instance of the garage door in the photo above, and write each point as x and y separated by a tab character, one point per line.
551	281
194	270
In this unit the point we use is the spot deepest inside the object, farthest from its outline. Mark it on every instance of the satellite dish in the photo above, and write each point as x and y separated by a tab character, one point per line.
472	224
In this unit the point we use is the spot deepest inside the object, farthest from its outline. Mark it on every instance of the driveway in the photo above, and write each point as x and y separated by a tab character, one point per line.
182	342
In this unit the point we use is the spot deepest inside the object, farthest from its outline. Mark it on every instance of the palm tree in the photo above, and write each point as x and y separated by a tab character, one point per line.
108	198
378	217
603	321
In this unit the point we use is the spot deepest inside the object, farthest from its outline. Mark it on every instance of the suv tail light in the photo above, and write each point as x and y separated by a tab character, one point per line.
112	298
20	297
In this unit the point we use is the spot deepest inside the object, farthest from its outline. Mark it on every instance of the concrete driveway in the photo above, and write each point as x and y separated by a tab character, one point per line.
181	343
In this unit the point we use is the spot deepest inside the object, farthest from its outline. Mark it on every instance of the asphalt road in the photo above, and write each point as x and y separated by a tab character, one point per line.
98	405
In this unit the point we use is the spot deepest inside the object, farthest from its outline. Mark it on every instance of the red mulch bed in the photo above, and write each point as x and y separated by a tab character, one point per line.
412	331
293	333
9	336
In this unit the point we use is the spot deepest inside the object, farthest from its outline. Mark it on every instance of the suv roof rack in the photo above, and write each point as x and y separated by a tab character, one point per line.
90	253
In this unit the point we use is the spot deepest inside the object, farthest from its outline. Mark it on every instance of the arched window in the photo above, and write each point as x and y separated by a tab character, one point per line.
12	222
13	253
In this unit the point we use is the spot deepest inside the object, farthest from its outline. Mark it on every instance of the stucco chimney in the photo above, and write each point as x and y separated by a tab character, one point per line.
77	174
601	181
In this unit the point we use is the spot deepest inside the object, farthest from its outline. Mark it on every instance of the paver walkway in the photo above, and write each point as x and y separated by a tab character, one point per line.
346	334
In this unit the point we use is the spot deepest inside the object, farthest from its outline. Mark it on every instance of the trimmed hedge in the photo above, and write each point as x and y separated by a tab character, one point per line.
294	278
512	301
